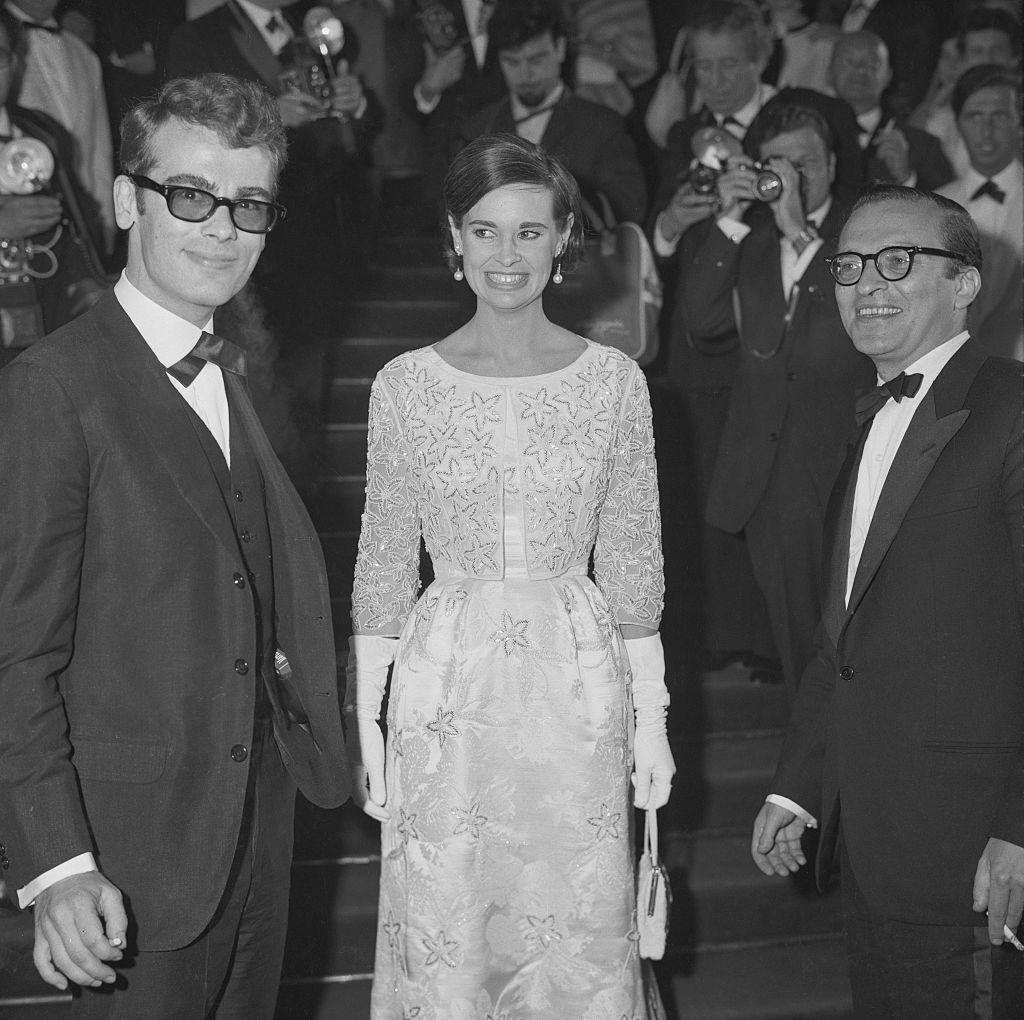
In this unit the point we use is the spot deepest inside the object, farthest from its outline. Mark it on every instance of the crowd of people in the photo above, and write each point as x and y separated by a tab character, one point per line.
833	193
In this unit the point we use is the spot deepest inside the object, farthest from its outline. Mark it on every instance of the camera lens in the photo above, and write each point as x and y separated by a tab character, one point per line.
703	178
768	185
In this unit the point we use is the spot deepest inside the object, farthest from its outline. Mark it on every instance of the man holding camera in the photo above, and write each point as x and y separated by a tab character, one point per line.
769	225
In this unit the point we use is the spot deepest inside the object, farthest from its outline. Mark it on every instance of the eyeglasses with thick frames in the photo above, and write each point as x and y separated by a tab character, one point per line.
892	263
186	202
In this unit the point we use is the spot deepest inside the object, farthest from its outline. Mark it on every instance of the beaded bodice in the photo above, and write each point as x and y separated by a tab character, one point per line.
567	455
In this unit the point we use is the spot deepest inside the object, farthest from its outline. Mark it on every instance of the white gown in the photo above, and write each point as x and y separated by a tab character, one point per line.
508	865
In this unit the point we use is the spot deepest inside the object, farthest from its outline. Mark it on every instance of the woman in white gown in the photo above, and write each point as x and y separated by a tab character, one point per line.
516	449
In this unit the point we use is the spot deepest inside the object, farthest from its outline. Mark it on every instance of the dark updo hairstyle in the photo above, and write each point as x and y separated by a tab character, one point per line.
506	160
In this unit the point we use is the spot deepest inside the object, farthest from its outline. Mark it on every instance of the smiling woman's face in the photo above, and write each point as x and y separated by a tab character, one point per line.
508	241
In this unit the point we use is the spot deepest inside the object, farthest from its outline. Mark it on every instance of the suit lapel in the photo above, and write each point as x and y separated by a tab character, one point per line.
939	418
560	122
162	417
763	332
252	46
838	522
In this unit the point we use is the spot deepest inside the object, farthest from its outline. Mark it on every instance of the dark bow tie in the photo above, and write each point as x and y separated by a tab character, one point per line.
274	24
210	348
870	402
52	29
992	190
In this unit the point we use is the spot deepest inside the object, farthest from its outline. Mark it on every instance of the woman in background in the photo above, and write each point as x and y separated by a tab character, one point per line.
517	450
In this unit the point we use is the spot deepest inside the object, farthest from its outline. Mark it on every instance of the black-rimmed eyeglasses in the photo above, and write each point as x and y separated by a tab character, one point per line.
185	202
892	263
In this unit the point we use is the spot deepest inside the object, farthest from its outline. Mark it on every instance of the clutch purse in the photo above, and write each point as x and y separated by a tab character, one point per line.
653	895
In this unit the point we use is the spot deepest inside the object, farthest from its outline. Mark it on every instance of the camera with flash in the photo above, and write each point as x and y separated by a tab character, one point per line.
712	148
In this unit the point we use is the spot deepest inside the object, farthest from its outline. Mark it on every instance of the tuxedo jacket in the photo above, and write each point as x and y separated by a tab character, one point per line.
797	376
908	728
124	633
590	140
926	158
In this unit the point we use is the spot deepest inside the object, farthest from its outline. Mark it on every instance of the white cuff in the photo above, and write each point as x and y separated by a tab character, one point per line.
789	805
663	247
735	230
79	865
423	104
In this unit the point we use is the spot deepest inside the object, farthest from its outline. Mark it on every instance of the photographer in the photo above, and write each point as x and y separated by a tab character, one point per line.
791	409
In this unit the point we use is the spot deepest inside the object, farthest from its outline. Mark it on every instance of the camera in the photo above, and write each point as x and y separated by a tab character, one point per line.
703	178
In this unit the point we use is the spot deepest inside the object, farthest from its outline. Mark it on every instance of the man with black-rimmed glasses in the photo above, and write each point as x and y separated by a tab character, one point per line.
906	745
167	662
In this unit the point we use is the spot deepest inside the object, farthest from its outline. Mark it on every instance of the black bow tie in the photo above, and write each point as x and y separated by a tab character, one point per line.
210	348
992	190
274	25
52	29
870	402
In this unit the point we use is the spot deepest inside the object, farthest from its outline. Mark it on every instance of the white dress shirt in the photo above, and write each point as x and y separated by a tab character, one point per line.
531	125
886	433
63	78
281	34
170	338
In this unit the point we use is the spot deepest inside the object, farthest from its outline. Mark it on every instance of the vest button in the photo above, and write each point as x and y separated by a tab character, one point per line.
246	535
239	581
239	752
241	667
846	673
238	496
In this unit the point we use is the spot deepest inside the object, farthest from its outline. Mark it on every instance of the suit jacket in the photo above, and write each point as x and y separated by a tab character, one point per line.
592	142
123	629
795	404
909	723
926	158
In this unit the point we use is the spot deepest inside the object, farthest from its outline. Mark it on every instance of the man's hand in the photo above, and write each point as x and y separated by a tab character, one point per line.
686	208
893	150
999	887
775	843
27	215
80	924
735	191
297	108
443	70
788	209
347	91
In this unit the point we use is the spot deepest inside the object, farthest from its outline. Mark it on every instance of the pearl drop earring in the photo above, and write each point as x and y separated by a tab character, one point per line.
459	275
557	278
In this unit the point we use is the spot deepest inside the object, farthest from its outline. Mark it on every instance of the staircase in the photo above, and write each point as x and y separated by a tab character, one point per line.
742	946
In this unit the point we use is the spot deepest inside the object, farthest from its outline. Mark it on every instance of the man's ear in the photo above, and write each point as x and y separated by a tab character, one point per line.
968	284
126	207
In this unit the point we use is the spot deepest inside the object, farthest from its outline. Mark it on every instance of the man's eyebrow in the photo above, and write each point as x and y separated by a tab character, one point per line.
251	191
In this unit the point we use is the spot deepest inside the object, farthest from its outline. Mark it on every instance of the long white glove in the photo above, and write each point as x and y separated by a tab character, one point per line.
366	677
652	759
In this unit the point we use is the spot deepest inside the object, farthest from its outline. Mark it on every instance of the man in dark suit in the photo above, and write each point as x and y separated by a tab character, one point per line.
166	655
907	738
892	150
325	186
791	406
530	39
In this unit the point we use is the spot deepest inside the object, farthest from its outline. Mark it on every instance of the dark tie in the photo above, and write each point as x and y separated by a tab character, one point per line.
273	26
992	190
870	402
210	348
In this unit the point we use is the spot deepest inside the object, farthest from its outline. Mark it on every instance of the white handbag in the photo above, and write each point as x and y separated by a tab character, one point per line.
653	895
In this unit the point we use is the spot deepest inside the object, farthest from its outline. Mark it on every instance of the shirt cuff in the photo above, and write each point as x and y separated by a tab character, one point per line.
789	805
423	104
735	230
662	246
80	865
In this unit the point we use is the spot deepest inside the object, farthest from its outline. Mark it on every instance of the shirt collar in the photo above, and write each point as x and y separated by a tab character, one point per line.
932	363
50	22
169	336
746	113
1009	178
869	120
817	216
519	110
